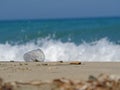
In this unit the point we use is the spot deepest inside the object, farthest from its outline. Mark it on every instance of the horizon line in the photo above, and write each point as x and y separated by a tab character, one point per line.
62	18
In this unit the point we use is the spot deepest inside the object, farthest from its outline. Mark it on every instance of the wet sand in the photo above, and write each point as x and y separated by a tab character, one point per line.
27	71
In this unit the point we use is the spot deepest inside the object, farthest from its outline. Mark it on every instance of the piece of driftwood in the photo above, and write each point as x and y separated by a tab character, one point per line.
75	62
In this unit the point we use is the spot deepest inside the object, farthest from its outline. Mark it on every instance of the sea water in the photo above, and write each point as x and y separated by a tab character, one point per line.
85	39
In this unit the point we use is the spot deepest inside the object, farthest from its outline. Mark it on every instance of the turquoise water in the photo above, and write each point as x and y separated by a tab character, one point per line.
75	30
88	39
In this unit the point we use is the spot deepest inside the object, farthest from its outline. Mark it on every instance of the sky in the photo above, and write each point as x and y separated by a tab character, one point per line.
45	9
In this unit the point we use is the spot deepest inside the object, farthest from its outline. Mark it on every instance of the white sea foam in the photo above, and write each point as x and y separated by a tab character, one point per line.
55	50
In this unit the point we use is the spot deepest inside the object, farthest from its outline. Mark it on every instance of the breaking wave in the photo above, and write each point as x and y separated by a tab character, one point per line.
56	50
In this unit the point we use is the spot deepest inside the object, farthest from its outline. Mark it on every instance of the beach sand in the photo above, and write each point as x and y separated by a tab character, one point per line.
47	71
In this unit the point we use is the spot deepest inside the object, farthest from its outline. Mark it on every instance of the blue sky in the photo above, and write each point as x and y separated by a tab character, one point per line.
43	9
